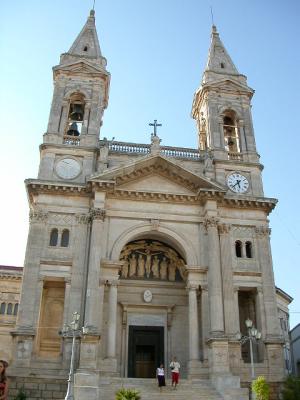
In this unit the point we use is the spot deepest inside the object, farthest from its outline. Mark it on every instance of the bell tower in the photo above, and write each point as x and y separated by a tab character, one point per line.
81	89
222	110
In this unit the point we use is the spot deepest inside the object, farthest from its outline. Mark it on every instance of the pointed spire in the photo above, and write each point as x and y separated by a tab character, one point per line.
219	63
87	44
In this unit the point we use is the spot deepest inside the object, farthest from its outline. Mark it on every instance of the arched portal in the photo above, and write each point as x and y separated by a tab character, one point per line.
152	259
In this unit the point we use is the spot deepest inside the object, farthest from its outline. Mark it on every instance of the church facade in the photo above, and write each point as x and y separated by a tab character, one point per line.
163	251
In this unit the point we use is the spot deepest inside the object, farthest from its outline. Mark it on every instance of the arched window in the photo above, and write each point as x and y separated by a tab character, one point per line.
16	308
238	249
65	238
9	309
231	135
248	250
75	115
53	237
2	308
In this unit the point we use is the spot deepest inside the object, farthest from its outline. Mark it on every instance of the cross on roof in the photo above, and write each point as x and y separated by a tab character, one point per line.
155	125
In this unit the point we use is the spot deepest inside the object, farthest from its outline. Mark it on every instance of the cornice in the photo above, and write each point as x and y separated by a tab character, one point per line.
263	203
64	147
10	277
35	186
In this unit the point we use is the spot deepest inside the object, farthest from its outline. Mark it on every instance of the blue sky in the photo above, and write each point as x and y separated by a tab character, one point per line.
156	52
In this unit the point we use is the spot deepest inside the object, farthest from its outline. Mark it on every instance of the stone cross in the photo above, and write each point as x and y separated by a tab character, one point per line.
155	125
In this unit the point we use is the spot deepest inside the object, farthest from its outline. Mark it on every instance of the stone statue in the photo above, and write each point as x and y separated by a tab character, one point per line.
164	269
172	272
155	270
141	266
132	265
148	255
124	270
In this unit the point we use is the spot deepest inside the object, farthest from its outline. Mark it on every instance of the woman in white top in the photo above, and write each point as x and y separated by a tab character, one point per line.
175	367
160	374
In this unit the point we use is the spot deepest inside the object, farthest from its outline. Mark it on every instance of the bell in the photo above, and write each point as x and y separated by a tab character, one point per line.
230	141
76	112
73	130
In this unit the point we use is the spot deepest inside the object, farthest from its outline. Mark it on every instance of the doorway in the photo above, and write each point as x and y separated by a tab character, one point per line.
145	350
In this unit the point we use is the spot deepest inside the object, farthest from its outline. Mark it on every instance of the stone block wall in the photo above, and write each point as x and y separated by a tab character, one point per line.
38	388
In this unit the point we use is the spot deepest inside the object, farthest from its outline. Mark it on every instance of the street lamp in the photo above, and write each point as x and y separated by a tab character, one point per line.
74	331
253	336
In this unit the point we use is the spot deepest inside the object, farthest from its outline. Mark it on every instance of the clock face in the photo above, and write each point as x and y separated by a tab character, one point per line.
67	168
147	296
237	183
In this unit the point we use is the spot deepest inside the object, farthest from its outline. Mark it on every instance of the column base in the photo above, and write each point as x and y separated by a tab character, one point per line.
89	350
86	386
196	370
109	367
229	387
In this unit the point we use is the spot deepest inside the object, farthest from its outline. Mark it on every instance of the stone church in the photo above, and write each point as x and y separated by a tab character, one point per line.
163	251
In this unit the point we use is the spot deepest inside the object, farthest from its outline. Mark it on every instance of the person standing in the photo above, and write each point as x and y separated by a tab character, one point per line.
160	374
175	367
3	380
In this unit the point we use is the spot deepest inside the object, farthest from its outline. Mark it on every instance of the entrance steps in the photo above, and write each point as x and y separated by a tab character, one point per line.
196	389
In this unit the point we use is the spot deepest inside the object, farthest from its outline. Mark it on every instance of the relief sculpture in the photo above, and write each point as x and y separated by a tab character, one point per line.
148	259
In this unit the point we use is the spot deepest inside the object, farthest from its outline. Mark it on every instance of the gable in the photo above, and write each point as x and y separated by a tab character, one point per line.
155	183
158	174
81	67
229	84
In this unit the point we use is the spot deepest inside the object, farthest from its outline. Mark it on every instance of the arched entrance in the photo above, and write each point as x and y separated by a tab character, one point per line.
151	271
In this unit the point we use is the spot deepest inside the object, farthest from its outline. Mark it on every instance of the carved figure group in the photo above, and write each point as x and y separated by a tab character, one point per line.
146	262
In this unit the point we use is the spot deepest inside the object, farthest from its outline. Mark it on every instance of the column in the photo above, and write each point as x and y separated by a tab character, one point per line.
112	319
231	317
93	306
205	320
25	331
193	322
268	284
273	340
214	278
35	243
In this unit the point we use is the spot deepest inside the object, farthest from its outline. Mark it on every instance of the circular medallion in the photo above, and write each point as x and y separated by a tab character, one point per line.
67	168
147	296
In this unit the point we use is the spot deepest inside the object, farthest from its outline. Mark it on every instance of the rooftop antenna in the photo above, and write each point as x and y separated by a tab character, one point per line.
212	15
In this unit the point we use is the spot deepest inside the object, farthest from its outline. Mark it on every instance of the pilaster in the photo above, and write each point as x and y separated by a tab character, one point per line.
214	277
92	306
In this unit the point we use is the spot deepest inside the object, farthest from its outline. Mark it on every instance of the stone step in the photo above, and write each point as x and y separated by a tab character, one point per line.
186	390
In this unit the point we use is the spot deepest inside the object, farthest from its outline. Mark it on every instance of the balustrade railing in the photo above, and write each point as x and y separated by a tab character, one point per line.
71	140
167	151
235	156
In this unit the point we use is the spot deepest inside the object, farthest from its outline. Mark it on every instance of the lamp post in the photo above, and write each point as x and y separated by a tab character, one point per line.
253	336
74	331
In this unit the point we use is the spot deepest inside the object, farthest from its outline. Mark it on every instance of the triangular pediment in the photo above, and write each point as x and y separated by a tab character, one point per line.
156	183
80	67
156	174
229	84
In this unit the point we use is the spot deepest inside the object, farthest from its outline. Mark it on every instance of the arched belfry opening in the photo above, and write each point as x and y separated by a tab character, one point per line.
75	114
231	132
152	259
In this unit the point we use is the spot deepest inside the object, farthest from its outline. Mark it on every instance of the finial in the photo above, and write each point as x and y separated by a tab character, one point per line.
214	29
94	5
92	13
212	16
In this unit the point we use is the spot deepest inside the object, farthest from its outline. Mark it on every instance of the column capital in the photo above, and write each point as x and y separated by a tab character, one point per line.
83	218
211	222
204	288
98	214
37	216
192	286
224	228
262	230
